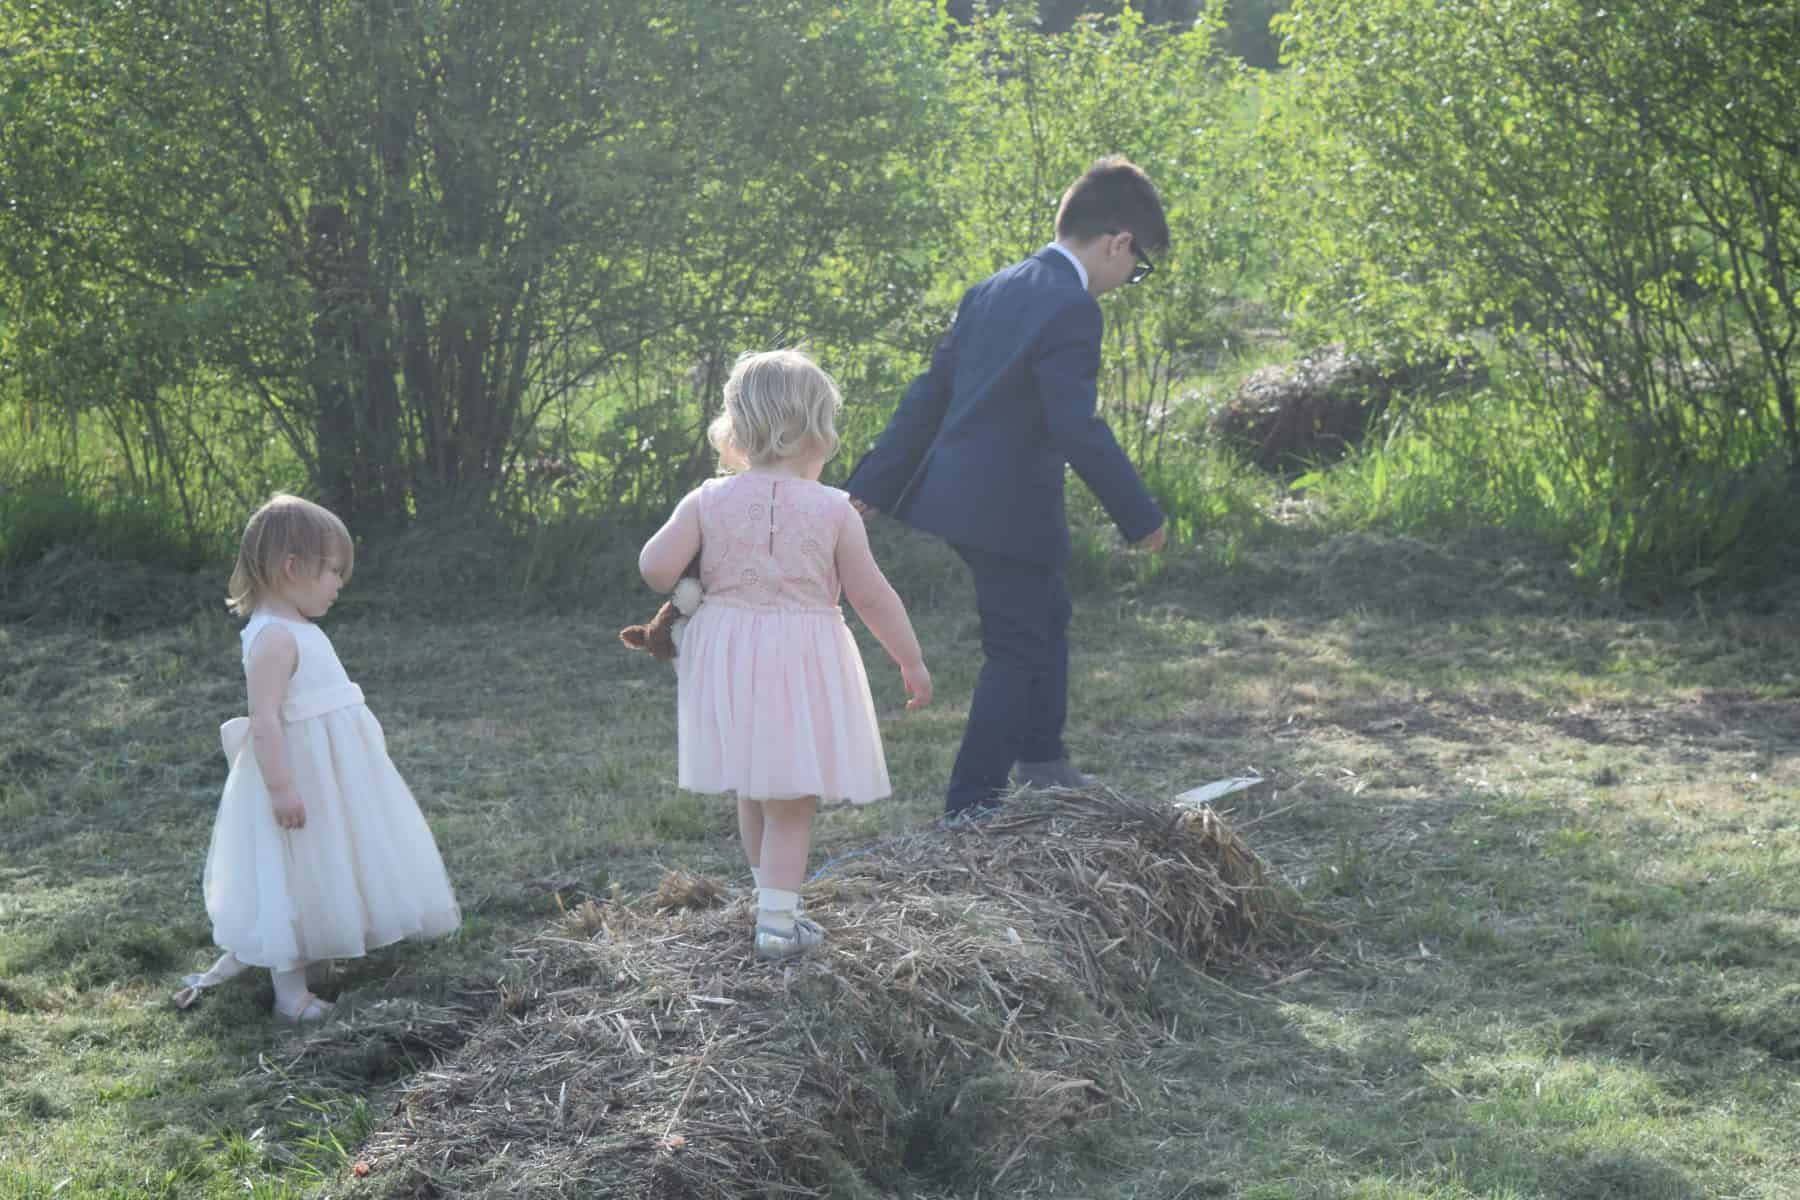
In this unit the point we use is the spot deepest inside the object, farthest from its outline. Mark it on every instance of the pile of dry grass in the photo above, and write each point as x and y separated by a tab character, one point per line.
1293	415
75	585
984	988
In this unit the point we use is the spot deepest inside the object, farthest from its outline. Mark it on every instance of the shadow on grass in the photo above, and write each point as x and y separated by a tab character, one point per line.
1388	639
1289	1121
1383	1077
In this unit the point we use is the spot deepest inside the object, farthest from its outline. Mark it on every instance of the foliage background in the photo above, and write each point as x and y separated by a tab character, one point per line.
484	266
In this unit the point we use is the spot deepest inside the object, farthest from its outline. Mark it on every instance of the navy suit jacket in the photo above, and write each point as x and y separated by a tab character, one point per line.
975	451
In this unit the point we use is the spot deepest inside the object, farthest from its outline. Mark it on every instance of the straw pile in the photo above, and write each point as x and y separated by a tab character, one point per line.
984	988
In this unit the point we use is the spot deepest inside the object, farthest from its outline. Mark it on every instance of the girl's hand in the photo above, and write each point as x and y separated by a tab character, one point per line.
290	809
918	686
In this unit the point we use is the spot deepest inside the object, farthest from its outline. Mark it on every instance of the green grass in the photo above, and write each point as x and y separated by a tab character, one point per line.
1557	840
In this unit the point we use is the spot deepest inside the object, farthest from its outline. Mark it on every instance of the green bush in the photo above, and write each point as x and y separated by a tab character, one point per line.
1562	468
1510	176
48	509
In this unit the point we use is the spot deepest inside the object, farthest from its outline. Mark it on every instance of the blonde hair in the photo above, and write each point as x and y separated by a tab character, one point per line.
779	404
286	526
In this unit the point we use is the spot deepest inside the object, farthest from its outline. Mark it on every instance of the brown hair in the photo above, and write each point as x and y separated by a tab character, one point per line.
285	526
1114	196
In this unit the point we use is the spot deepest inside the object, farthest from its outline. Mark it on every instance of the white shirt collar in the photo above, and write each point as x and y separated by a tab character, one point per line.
1068	254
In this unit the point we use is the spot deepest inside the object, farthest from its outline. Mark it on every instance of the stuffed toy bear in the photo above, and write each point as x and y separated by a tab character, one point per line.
662	636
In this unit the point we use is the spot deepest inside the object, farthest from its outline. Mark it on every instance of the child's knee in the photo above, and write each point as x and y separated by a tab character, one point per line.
791	812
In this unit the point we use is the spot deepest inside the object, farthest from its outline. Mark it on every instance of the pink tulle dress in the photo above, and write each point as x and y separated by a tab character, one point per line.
773	700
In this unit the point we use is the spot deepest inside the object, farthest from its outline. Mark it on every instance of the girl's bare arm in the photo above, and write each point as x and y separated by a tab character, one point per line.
879	606
273	657
667	555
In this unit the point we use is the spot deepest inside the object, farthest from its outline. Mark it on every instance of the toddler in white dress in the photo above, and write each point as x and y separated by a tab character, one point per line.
319	851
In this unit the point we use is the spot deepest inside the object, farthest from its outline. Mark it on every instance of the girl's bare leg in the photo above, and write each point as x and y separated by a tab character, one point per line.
750	829
786	843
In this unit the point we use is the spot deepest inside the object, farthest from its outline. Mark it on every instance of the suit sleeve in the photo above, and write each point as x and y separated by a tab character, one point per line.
1067	368
882	475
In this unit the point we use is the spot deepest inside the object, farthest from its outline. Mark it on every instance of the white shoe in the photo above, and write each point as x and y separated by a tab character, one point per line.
228	967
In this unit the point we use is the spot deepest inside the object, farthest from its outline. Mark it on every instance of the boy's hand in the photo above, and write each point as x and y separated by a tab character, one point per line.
918	686
863	510
1155	541
290	809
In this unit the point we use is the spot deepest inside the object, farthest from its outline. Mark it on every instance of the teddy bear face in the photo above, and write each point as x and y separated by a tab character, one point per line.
662	635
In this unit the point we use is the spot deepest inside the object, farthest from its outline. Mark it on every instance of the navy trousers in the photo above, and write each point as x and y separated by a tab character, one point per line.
1022	697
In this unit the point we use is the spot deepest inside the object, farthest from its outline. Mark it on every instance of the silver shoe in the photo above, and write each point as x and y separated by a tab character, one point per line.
774	943
1057	773
311	1011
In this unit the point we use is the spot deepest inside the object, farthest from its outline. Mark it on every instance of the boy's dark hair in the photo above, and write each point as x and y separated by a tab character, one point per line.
1114	196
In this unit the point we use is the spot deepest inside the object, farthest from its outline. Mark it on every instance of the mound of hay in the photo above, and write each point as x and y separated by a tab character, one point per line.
1292	416
982	990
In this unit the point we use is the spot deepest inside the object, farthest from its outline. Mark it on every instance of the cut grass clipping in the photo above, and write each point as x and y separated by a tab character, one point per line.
983	988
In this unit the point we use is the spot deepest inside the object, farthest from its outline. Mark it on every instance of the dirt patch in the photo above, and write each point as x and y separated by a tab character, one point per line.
1716	722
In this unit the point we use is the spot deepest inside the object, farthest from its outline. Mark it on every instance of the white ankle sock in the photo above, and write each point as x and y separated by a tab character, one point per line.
756	875
290	989
776	907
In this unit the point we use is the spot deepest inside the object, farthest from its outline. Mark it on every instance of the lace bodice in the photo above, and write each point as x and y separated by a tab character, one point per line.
770	541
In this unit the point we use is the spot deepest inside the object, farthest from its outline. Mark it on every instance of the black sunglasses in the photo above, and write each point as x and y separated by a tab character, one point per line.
1144	265
1143	259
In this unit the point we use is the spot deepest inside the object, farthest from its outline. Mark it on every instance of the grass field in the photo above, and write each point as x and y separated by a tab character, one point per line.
1558	841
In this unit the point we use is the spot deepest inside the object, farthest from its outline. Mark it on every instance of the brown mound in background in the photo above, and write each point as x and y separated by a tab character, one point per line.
982	991
1294	416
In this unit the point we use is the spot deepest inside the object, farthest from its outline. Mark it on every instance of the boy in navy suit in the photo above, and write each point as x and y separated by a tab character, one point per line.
976	451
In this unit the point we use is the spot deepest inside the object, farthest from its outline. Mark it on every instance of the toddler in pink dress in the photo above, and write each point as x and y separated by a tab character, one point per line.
773	703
